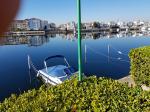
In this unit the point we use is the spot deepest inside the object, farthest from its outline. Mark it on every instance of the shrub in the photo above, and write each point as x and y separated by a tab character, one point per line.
140	65
92	94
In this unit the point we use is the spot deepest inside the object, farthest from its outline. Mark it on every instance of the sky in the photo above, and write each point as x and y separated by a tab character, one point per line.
63	11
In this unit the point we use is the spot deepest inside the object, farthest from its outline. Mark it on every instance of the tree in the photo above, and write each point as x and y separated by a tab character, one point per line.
96	25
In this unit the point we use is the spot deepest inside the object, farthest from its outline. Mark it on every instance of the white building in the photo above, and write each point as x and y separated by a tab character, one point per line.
19	25
51	26
131	24
68	26
62	27
88	26
71	25
112	23
44	24
121	24
34	24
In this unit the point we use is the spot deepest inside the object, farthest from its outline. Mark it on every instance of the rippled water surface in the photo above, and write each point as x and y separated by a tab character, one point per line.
105	56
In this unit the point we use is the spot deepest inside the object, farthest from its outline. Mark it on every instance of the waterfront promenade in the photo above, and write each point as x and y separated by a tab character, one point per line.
58	31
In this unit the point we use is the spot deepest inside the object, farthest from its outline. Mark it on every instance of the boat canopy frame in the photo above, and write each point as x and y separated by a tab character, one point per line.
56	56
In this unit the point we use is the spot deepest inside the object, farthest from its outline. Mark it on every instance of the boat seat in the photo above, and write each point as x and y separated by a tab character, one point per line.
69	70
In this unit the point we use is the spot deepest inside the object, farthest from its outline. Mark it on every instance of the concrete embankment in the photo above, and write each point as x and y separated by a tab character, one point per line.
131	83
128	79
27	33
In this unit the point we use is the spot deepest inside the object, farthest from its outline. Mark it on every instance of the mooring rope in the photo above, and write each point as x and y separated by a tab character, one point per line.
102	54
118	51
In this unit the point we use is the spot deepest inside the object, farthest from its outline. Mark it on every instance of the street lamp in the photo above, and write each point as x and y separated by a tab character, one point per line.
79	40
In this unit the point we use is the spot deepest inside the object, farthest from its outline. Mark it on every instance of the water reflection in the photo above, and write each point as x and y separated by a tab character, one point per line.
102	35
40	40
105	55
28	40
37	40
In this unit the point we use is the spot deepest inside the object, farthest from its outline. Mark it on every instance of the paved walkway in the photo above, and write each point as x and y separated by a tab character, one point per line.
128	79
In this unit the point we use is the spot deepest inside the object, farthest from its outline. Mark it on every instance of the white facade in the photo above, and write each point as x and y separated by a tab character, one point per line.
88	26
34	24
44	24
51	26
71	25
112	23
62	26
19	25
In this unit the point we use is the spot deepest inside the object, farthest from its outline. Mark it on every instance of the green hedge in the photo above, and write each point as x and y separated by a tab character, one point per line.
92	94
140	65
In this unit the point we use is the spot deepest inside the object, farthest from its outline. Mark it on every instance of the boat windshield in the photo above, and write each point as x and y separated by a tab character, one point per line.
60	71
56	71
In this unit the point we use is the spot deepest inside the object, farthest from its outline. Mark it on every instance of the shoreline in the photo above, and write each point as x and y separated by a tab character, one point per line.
127	79
58	31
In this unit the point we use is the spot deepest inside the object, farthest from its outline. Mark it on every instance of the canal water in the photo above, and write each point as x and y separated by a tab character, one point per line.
103	56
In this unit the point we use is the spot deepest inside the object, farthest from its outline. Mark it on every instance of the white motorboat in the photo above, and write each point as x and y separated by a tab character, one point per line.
54	74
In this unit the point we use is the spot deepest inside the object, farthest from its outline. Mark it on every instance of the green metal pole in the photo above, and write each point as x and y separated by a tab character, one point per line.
79	40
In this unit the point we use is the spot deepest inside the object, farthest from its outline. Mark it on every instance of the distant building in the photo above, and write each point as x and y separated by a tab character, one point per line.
51	26
96	25
88	26
146	23
63	27
71	25
18	25
34	24
44	24
68	26
112	23
121	24
104	25
131	24
138	23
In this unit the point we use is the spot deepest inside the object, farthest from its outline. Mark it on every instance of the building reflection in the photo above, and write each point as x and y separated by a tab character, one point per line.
37	40
27	40
51	35
40	40
102	35
71	37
